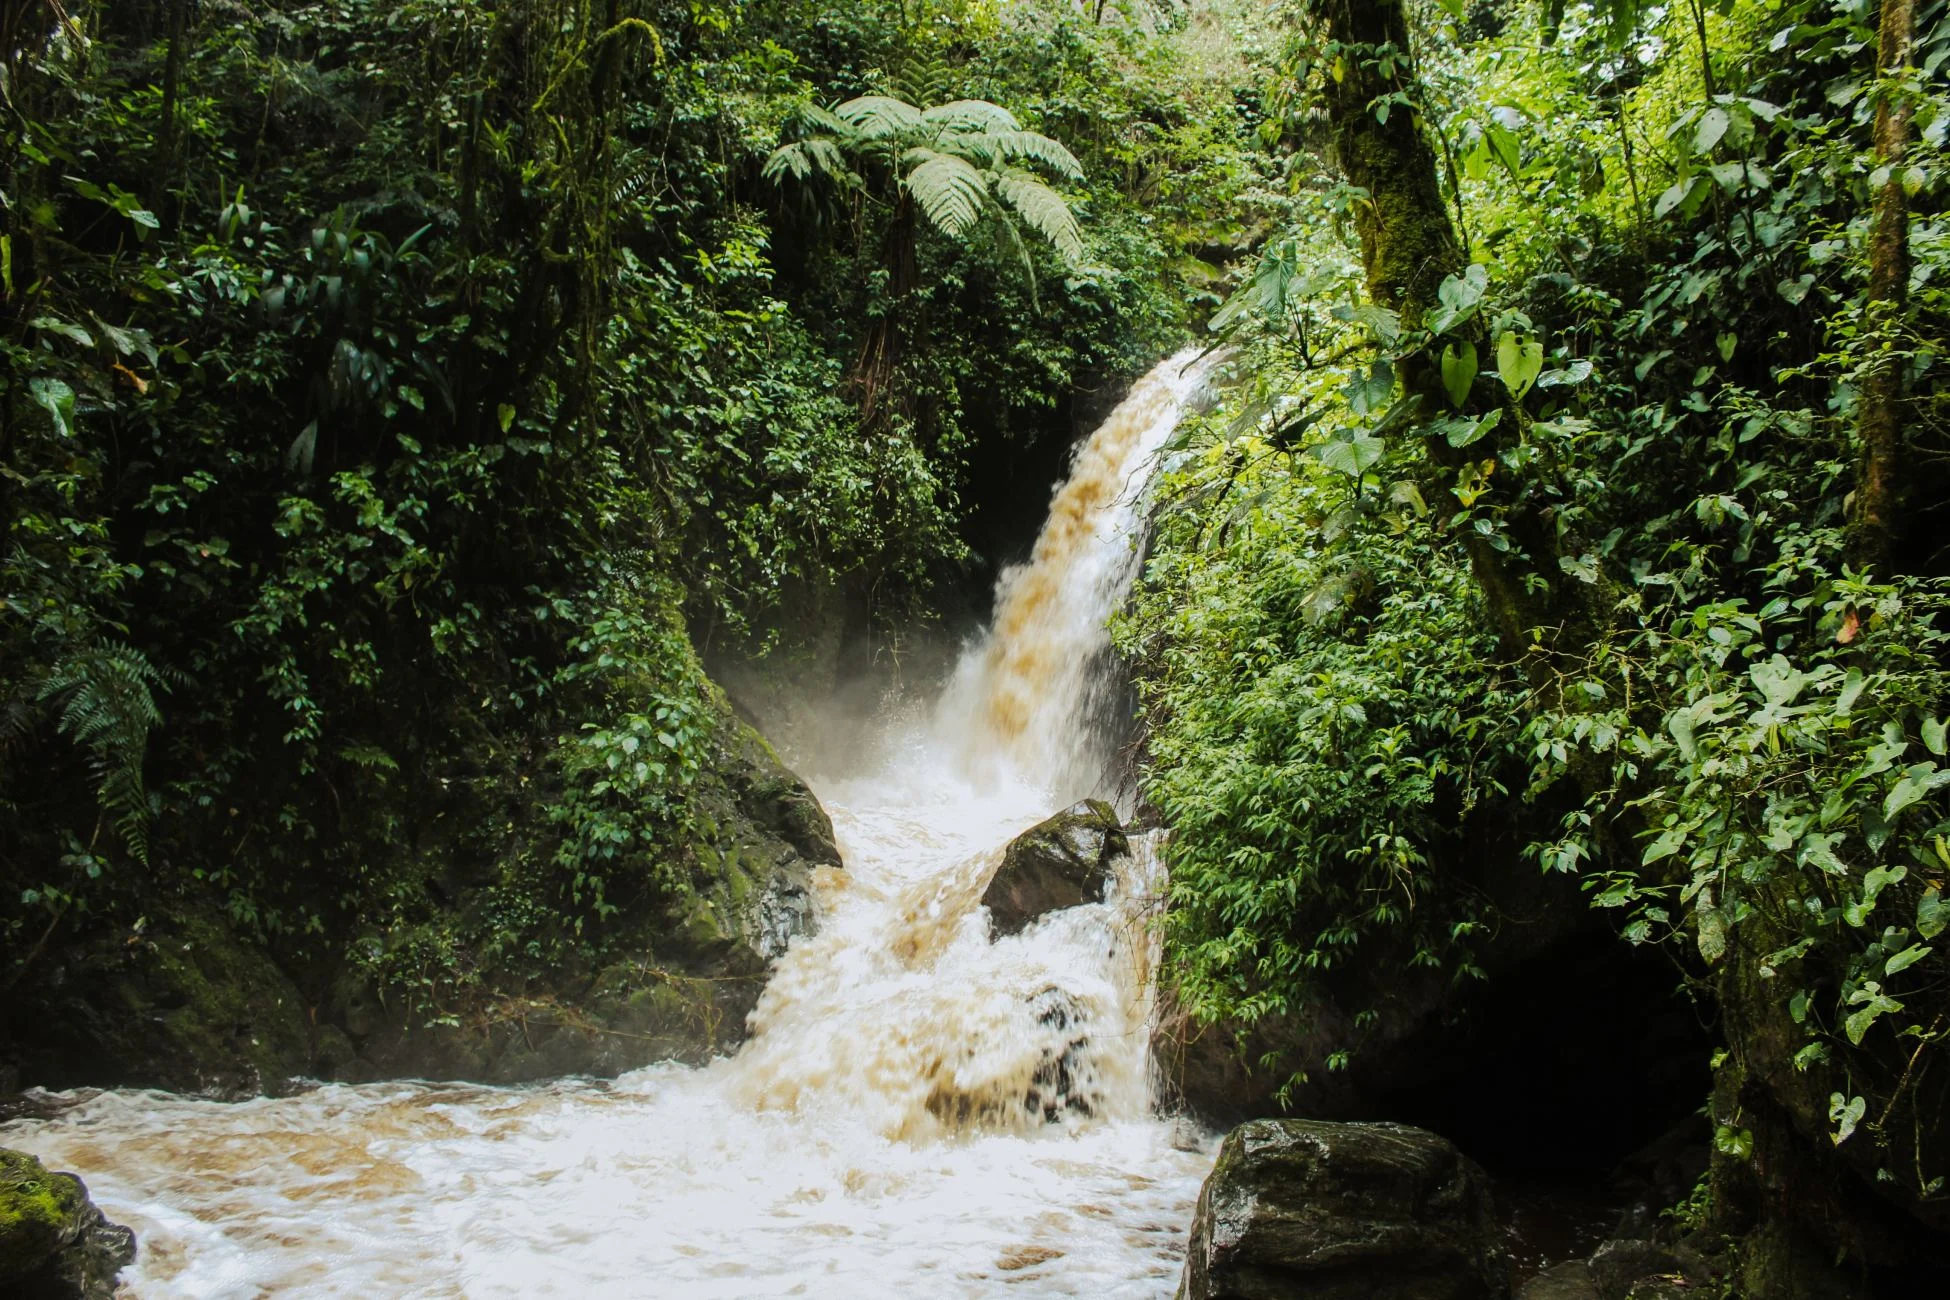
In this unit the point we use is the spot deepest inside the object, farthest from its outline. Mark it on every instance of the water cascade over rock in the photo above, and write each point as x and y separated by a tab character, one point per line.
920	1108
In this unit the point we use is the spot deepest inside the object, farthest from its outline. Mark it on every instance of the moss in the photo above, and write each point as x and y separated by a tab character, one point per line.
40	1212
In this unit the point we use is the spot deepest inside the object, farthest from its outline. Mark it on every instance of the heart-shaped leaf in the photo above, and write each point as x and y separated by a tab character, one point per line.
1458	371
1519	361
1352	456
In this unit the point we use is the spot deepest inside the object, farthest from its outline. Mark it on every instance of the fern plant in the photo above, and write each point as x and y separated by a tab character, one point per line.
956	165
109	707
957	162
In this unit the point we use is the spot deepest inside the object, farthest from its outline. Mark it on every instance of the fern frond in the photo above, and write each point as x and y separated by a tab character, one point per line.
876	117
788	160
952	191
817	118
1017	146
971	115
1044	210
109	706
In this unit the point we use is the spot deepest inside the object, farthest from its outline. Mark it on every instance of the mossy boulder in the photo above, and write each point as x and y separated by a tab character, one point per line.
54	1243
1343	1212
180	1002
1061	862
688	966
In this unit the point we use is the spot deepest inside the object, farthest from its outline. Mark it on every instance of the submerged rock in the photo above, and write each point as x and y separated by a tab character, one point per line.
1343	1212
54	1243
1057	863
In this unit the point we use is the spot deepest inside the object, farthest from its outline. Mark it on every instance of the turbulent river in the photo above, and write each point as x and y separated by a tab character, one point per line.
918	1112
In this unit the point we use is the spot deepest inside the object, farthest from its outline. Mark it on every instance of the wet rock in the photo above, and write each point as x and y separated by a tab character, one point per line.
699	957
54	1243
1343	1212
1619	1267
1569	1281
1063	1083
181	1003
1057	863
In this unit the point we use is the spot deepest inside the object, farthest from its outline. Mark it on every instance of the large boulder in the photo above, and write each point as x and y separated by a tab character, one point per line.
698	959
54	1243
1300	1208
1061	862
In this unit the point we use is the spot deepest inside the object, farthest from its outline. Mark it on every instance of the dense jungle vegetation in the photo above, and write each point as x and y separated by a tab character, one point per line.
403	402
400	398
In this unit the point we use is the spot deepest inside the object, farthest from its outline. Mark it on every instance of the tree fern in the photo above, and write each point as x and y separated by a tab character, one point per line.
879	117
1042	209
971	115
1013	145
951	191
958	162
109	707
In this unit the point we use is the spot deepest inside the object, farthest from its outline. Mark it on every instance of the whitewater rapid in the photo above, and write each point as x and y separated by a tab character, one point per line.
892	1127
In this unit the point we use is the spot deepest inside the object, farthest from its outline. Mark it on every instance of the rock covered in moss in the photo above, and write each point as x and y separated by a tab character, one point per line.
1057	863
697	958
1343	1212
54	1243
180	1002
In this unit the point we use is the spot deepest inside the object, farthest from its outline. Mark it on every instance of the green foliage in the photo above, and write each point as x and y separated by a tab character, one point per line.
409	388
1669	244
108	706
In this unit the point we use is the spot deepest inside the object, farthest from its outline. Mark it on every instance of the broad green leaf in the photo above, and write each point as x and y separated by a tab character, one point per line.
1575	373
1879	878
1932	916
1933	735
66	329
1463	432
1908	957
1845	1113
1712	924
1457	298
1874	1004
57	399
1712	125
1458	370
1518	362
1918	781
1352	457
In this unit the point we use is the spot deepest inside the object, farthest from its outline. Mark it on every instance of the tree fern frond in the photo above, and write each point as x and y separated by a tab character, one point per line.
1015	146
877	117
952	192
792	160
971	115
816	117
1042	209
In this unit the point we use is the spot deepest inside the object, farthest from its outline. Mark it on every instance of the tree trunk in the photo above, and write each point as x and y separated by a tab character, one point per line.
1878	486
1408	247
166	130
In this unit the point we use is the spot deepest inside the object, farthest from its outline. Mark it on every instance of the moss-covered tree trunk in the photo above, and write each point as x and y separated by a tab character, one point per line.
1409	246
1878	485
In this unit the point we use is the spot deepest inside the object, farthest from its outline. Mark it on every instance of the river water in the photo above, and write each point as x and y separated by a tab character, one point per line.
918	1112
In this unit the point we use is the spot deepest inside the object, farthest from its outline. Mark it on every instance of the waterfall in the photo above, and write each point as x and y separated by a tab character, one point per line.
919	1110
1030	694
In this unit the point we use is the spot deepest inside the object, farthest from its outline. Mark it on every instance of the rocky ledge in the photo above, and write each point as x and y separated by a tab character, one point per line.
54	1243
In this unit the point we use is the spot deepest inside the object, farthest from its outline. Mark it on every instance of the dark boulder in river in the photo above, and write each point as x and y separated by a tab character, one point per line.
1299	1208
54	1243
1057	863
